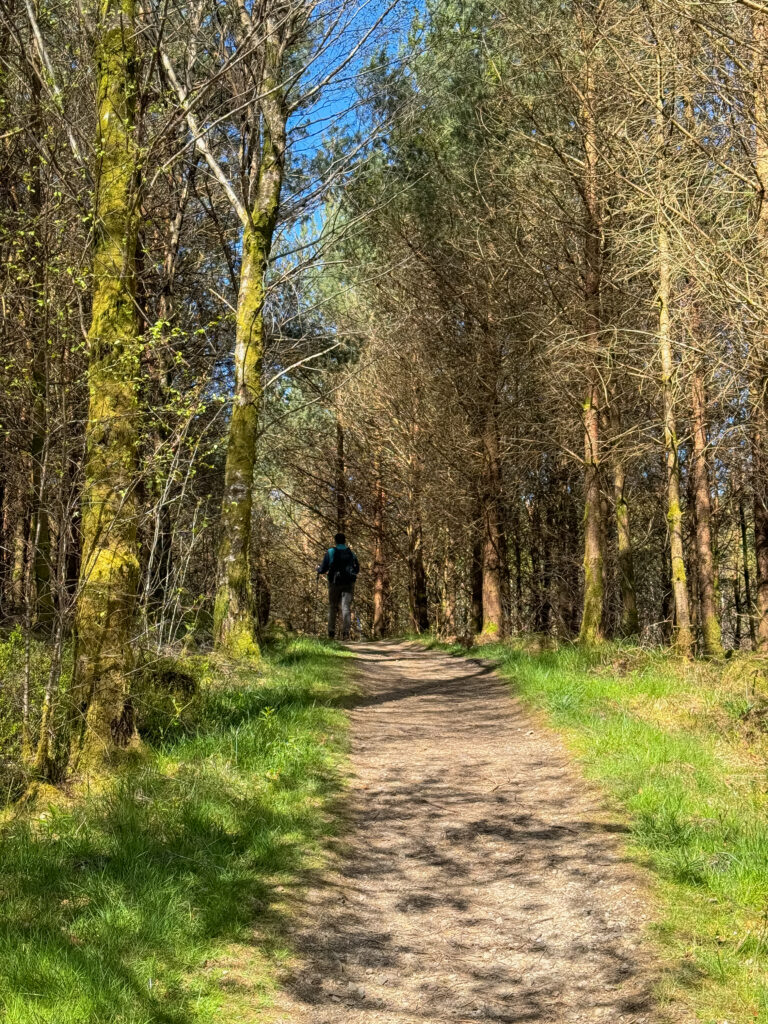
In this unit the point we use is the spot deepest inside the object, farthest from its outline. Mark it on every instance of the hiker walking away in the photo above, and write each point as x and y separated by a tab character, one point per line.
342	567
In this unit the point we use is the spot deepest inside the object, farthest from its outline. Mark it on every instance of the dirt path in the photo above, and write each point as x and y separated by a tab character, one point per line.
482	880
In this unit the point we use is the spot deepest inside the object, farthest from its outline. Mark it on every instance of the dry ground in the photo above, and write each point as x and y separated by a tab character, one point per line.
481	878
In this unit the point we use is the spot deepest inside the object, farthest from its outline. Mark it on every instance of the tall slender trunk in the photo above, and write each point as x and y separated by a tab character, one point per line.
234	626
448	594
518	583
495	561
683	635
417	577
19	522
629	623
40	530
710	623
340	484
747	579
110	565
592	627
380	576
759	359
477	577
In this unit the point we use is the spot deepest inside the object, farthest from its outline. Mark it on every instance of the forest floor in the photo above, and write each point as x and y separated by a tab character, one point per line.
547	835
480	879
157	897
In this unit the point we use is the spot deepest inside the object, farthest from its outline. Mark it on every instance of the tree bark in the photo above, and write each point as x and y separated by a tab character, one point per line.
234	625
710	623
747	578
629	623
759	384
683	636
40	533
110	565
340	485
477	578
380	575
592	626
495	563
417	577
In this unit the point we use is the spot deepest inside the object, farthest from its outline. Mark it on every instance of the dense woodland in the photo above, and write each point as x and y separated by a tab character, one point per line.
483	285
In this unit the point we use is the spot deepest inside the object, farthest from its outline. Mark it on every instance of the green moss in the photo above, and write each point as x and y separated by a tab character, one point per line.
591	631
110	565
712	637
234	620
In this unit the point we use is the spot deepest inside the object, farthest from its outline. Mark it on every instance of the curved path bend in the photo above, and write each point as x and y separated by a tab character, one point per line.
481	878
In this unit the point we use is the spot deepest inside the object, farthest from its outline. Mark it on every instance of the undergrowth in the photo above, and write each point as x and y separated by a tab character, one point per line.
160	898
683	749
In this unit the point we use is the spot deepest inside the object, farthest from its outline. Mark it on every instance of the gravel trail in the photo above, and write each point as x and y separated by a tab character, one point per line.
481	878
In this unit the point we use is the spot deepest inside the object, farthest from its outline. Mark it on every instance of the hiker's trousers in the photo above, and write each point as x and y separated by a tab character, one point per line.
340	596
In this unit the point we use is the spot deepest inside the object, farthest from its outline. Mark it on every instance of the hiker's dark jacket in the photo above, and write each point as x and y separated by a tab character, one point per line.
342	567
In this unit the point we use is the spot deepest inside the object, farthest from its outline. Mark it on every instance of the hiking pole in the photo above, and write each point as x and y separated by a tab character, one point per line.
314	604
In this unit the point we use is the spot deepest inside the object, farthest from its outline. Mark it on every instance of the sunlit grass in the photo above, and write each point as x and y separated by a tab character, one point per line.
161	899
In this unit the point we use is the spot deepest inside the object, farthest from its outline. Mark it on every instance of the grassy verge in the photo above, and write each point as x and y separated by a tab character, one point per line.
159	899
683	749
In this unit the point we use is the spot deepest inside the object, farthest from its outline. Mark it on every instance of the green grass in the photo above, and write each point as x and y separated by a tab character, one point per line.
162	898
682	750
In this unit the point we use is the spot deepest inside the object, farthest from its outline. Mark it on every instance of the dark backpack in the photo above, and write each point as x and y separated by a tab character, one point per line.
341	567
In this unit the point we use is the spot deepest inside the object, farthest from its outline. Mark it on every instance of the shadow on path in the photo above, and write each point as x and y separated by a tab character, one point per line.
480	880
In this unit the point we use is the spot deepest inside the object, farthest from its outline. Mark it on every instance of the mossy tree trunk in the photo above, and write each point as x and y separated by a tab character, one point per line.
710	623
40	533
683	635
234	624
759	355
592	628
747	579
110	566
629	623
235	627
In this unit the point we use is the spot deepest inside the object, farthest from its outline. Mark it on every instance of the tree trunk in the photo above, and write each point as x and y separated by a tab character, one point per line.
747	579
710	624
40	530
380	576
683	636
340	486
110	565
495	561
629	623
519	625
477	581
417	577
759	387
592	628
234	626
